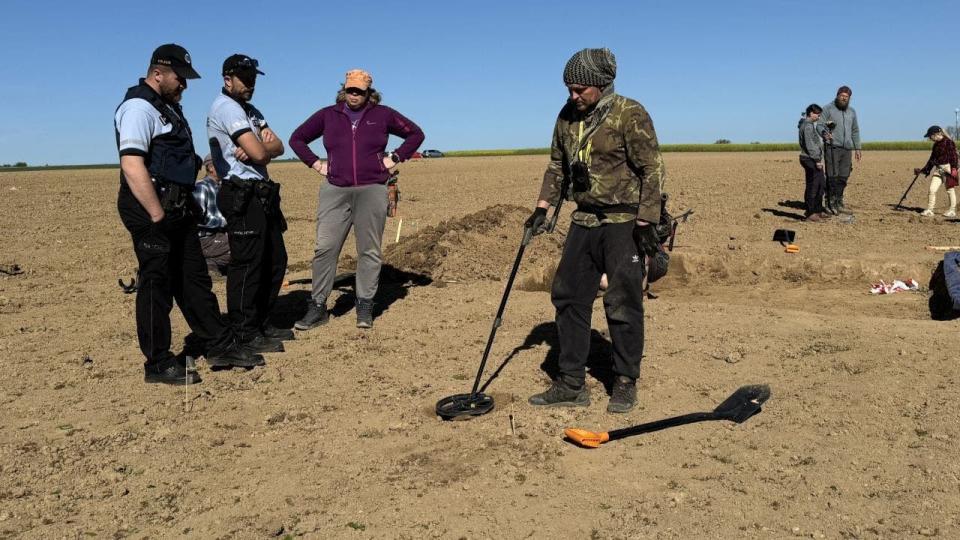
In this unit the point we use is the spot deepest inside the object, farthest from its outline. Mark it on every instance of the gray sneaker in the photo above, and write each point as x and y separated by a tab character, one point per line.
624	396
561	394
317	315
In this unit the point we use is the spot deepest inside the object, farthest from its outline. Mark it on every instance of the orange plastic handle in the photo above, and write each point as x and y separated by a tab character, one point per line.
586	439
792	248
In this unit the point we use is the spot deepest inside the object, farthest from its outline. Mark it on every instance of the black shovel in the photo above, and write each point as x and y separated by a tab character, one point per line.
739	407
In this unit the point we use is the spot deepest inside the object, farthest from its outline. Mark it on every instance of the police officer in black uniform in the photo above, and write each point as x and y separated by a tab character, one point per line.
242	145
158	168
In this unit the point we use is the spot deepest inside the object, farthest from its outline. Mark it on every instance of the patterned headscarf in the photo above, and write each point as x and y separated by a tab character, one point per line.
591	67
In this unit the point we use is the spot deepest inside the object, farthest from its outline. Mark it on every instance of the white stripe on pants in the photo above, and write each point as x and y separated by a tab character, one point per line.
363	207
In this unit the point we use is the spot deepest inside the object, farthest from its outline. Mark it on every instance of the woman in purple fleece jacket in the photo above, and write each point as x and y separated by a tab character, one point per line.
355	131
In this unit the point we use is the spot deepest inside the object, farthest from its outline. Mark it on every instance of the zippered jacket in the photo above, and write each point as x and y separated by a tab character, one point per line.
811	143
355	156
846	134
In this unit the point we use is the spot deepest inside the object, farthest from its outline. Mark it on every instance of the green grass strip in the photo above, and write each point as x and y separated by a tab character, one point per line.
754	147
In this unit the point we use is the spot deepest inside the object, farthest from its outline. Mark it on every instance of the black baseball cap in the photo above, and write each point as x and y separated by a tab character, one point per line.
932	130
176	58
238	63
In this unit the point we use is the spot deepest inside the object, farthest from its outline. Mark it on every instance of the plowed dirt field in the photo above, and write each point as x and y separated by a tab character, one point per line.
337	436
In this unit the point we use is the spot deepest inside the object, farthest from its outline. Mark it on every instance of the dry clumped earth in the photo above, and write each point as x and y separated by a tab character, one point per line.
337	436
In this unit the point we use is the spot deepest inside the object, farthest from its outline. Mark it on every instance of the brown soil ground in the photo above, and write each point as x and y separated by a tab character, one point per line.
337	436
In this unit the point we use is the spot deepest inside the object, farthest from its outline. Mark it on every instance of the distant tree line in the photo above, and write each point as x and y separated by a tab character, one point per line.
17	164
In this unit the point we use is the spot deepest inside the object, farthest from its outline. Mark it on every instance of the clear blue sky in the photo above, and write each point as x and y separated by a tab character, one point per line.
485	74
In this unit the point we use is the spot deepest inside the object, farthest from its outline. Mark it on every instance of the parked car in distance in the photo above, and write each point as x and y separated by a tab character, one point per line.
432	153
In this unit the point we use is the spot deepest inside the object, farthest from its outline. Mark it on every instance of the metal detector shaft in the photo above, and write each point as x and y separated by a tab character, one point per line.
897	207
528	234
498	320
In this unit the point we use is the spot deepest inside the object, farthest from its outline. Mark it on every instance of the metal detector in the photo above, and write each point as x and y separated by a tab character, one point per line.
739	407
477	403
675	222
898	206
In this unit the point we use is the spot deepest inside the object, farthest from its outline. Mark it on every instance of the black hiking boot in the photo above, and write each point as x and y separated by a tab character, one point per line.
262	344
561	394
830	205
173	373
364	313
623	398
317	315
283	334
234	355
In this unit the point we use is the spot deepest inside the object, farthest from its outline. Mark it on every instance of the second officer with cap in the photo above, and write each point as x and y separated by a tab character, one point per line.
242	144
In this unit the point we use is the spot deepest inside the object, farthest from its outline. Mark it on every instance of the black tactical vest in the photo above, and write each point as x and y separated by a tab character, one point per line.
171	156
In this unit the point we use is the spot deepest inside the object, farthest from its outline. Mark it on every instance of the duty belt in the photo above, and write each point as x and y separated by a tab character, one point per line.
265	190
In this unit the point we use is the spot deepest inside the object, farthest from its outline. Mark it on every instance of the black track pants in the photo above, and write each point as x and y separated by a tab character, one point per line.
588	253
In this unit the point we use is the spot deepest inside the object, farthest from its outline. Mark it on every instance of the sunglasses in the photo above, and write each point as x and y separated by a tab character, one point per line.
247	63
355	91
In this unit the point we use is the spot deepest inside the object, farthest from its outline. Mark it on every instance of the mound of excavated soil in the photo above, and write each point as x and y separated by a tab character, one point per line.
687	268
478	246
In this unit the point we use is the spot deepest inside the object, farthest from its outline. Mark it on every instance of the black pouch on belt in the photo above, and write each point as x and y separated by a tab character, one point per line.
269	194
238	194
173	199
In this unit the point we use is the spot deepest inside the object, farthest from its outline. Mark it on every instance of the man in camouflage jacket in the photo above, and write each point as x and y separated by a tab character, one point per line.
605	154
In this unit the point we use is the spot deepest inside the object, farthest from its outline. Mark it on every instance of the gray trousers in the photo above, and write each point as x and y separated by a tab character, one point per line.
363	207
216	250
839	165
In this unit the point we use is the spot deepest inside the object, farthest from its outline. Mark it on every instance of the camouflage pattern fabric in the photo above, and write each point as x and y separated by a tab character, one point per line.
622	156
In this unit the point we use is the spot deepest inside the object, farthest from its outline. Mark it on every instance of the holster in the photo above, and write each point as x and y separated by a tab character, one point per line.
175	199
238	195
268	192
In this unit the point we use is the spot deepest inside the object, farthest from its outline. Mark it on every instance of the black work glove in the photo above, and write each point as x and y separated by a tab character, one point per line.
536	221
646	239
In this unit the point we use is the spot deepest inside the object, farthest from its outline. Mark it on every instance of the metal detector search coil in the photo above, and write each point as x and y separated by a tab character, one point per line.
461	405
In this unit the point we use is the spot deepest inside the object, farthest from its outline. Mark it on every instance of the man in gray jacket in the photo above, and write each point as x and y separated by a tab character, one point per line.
843	140
811	158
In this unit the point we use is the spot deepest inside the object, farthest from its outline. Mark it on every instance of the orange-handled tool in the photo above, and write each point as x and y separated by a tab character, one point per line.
740	406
